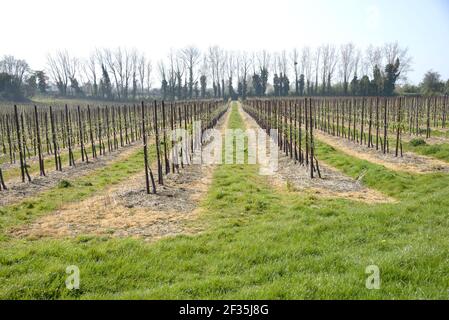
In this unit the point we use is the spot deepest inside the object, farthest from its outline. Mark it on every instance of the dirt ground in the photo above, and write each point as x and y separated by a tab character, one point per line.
333	183
410	162
18	191
127	211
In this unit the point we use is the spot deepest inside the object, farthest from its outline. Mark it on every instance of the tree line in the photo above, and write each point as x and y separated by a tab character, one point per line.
80	134
18	81
188	73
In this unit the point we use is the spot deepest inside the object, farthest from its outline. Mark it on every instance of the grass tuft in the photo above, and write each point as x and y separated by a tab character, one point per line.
417	142
64	184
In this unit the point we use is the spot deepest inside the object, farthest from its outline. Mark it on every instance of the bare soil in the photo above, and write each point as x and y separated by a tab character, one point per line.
296	177
127	211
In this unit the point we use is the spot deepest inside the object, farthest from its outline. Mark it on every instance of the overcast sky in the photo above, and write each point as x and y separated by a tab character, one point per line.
31	29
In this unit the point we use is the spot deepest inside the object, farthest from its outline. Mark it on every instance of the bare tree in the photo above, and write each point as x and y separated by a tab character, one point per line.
177	72
14	67
283	63
333	61
357	59
253	61
238	61
62	69
170	75
245	64
347	56
373	57
294	56
163	77
230	66
204	74
90	71
142	68
191	56
306	66
112	65
264	58
392	52
325	65
217	59
222	71
120	63
316	64
127	73
275	62
57	73
134	58
149	73
330	59
211	58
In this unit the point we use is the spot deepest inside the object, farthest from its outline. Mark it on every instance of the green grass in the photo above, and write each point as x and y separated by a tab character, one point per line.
417	142
439	151
260	244
438	133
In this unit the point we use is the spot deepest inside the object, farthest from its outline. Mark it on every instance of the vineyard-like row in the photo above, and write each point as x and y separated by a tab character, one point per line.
288	118
31	133
374	122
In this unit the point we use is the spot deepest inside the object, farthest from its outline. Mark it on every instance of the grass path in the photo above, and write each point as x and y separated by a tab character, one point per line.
260	244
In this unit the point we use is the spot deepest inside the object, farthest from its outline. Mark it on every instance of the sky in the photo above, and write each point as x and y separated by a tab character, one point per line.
31	29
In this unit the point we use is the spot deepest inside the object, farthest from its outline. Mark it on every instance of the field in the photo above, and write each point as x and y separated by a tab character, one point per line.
361	182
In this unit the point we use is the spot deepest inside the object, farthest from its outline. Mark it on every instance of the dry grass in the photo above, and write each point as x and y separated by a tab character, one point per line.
18	191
